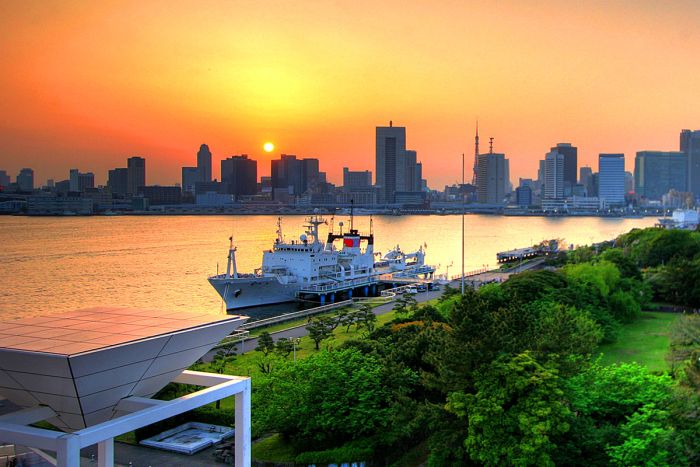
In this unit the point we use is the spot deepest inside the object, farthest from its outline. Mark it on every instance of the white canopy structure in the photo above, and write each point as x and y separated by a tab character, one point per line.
91	373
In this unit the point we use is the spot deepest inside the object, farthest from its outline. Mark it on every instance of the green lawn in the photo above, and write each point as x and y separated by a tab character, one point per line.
646	341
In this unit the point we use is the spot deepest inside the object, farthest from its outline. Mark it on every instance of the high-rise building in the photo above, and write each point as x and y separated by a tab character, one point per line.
4	179
490	178
25	180
136	176
585	178
79	181
396	169
311	177
629	182
190	177
356	180
389	155
204	163
690	145
239	175
570	154
658	172
611	179
554	175
118	181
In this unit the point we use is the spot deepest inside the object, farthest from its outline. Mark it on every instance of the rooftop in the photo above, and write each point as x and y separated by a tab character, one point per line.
91	329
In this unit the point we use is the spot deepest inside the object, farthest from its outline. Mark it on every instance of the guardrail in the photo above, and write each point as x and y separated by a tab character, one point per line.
297	314
475	272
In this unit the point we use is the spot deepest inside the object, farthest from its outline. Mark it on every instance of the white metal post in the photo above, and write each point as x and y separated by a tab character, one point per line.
68	451
105	453
242	421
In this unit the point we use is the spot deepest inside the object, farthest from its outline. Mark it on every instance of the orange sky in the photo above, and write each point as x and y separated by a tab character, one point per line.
87	84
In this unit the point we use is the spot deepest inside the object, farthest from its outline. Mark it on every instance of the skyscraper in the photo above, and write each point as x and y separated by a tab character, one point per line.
136	176
570	154
204	163
554	175
239	175
611	179
25	180
490	178
657	172
690	145
390	150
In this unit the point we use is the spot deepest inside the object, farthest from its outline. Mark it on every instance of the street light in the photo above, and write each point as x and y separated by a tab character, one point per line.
447	273
295	341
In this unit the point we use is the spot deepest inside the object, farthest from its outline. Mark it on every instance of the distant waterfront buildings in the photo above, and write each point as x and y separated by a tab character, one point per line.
356	180
161	195
79	181
25	179
190	177
294	177
239	175
554	175
4	179
611	179
491	178
690	145
204	163
658	172
586	180
523	195
136	174
118	181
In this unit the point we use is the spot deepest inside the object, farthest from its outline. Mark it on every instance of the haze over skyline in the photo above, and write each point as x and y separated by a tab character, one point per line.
89	84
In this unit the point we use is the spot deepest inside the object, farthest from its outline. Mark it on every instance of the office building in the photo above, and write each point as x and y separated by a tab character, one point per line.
554	175
4	179
204	163
190	177
118	181
161	194
523	195
396	169
690	145
658	172
296	176
611	179
585	179
136	175
79	181
239	175
570	154
25	180
490	178
356	180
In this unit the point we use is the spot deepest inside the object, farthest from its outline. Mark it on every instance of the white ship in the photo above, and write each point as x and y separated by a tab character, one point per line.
311	266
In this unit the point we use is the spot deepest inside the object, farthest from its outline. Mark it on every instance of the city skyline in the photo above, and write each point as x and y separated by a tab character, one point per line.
316	79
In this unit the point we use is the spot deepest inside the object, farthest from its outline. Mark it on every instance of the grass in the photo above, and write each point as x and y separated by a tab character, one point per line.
646	342
272	449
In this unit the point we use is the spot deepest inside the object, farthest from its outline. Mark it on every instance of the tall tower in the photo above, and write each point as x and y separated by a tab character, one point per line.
390	159
476	153
136	174
204	163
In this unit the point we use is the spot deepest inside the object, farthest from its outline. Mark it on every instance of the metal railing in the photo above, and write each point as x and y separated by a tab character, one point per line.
475	272
294	315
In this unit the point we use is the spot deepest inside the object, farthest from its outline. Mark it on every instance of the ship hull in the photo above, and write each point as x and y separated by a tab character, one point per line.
248	292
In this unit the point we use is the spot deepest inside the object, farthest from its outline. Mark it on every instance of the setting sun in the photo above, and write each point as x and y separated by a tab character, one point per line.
268	147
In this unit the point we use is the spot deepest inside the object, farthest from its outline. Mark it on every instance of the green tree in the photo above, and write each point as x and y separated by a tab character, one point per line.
283	347
320	329
623	307
265	343
602	275
518	407
366	318
328	399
